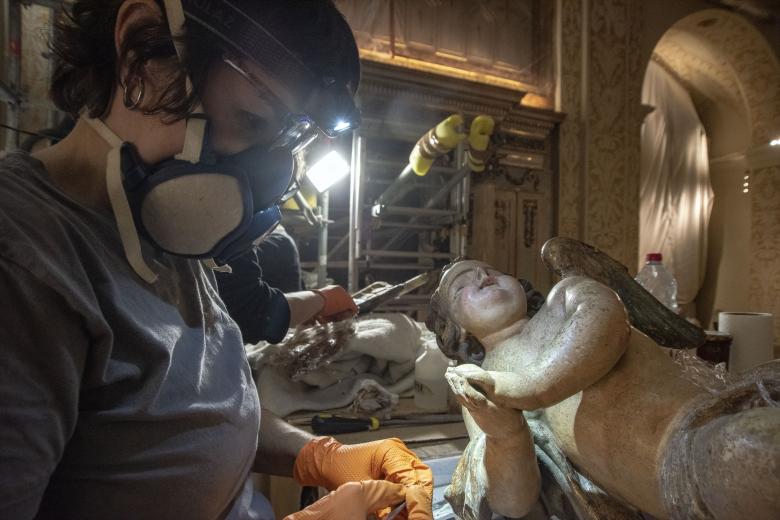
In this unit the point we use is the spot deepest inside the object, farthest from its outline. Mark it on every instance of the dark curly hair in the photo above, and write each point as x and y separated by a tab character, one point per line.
466	349
87	66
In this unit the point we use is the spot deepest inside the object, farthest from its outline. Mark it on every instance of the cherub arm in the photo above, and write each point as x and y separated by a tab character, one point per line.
498	470
593	333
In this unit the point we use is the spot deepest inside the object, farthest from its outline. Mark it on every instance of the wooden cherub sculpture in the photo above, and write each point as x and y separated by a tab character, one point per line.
619	407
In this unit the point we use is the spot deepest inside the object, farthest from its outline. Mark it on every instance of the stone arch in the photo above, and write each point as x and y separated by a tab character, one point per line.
733	76
723	59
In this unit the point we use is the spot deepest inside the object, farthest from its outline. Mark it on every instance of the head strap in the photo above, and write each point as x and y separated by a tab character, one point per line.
196	126
175	14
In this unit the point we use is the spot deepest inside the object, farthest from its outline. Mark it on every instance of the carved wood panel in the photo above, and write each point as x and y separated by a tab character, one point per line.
483	238
505	228
509	227
535	230
509	39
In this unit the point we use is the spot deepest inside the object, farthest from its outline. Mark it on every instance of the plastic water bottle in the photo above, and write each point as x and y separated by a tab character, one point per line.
658	281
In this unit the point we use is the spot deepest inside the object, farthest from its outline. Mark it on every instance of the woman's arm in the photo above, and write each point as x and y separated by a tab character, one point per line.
278	445
304	306
328	304
44	353
592	332
265	313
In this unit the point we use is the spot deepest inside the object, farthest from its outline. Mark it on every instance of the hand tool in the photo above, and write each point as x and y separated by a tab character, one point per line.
373	301
397	511
327	424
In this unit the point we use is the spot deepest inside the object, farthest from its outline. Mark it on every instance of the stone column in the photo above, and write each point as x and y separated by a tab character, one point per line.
764	232
600	77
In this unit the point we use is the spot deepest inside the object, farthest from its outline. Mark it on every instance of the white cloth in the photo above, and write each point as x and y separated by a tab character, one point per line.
376	364
675	191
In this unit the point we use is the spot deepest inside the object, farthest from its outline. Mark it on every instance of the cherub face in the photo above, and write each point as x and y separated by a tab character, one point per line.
482	299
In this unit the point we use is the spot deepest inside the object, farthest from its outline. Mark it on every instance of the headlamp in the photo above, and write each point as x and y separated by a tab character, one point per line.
329	106
301	130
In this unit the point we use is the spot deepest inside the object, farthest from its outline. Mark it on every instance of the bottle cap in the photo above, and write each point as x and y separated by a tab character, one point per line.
654	257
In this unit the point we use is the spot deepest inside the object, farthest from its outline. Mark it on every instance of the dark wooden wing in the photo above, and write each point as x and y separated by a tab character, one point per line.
568	257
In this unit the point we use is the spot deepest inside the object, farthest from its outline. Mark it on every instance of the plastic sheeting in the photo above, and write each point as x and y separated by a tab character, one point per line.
675	190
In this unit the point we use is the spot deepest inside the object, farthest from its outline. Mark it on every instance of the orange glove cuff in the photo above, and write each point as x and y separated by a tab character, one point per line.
338	304
315	455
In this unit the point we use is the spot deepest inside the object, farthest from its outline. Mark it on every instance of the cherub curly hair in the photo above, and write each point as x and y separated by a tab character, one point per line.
452	342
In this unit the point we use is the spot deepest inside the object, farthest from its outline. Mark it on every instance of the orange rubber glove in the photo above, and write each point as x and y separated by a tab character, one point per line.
326	462
338	305
353	501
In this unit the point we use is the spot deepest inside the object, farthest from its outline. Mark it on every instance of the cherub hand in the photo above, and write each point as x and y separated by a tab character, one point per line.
475	377
495	421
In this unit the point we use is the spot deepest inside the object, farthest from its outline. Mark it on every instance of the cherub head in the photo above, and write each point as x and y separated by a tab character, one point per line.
474	300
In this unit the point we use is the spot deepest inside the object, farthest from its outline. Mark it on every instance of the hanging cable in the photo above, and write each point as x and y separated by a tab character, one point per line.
27	132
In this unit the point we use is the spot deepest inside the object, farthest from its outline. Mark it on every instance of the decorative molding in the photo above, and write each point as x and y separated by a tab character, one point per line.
765	156
479	41
385	87
511	178
530	209
689	64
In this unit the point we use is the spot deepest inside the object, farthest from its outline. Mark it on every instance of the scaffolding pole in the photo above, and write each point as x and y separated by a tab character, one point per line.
355	210
322	254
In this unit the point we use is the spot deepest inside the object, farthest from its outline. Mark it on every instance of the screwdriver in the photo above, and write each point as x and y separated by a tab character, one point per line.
328	424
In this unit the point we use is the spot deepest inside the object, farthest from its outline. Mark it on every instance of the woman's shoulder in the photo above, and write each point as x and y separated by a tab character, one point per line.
23	181
24	200
40	228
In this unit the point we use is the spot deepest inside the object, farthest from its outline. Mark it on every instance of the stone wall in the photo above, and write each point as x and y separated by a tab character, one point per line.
599	90
765	244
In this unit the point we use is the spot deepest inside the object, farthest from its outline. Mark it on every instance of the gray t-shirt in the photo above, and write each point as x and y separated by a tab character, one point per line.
118	399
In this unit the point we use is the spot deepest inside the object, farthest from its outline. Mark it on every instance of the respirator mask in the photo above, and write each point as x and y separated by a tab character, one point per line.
203	205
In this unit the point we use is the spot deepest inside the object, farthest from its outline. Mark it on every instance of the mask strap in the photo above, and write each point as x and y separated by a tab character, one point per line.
121	207
196	126
194	136
108	135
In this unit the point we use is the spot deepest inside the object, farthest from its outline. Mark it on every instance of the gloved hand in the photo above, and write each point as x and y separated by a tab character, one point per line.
326	462
353	501
338	305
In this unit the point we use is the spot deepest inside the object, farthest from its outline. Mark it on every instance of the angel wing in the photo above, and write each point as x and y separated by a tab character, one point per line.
568	257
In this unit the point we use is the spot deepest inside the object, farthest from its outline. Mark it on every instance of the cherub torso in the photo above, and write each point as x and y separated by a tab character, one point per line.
615	430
